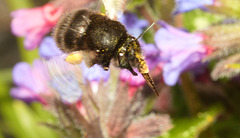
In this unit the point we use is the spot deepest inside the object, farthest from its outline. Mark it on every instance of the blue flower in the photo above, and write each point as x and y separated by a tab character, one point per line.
48	48
35	82
188	5
133	25
95	73
179	51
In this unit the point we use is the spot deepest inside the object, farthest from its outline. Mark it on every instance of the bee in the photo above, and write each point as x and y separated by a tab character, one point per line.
97	39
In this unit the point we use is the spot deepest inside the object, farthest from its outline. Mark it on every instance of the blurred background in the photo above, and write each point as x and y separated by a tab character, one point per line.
219	119
17	119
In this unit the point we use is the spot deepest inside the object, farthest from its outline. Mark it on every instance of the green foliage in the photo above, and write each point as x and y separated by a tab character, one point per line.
18	119
227	128
228	8
198	20
132	4
24	122
192	127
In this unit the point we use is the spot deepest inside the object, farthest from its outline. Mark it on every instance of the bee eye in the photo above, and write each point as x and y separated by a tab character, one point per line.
120	54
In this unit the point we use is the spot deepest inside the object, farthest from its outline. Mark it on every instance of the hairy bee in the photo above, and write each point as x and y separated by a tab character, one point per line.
100	40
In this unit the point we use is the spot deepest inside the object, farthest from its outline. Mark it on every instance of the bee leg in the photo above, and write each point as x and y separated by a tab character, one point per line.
132	71
106	66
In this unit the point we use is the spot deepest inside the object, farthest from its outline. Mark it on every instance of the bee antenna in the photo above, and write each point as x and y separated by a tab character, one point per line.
146	30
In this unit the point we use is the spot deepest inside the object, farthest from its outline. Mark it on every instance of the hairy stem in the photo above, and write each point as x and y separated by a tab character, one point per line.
191	97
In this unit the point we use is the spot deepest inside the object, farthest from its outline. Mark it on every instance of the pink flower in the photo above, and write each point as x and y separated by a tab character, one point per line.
134	82
34	23
31	82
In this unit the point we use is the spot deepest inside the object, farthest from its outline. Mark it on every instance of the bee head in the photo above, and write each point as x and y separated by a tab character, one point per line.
129	57
127	54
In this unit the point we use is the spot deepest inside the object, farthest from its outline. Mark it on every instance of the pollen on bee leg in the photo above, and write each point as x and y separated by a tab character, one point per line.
105	68
102	14
74	58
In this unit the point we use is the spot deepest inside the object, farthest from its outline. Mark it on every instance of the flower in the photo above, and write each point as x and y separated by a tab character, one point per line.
36	82
31	82
48	48
94	73
179	51
34	23
133	25
188	5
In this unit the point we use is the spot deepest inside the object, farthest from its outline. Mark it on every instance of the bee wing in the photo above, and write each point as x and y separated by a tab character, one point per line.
65	78
114	8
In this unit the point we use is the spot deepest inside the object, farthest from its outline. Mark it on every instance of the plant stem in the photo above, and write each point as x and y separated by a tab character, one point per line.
178	20
147	15
191	97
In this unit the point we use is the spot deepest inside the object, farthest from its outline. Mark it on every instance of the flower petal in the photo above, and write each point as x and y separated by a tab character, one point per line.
34	23
24	94
95	73
133	25
179	51
126	76
48	48
22	75
188	5
181	62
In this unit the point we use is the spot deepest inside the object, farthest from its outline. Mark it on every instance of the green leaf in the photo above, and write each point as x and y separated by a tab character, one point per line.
192	127
22	122
16	4
198	20
227	7
134	3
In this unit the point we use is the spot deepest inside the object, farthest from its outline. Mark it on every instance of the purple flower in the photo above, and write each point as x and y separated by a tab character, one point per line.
126	76
151	54
133	25
188	5
31	81
34	82
48	48
179	51
95	73
34	23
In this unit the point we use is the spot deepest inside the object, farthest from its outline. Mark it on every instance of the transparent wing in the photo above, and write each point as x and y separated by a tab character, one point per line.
65	78
115	8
